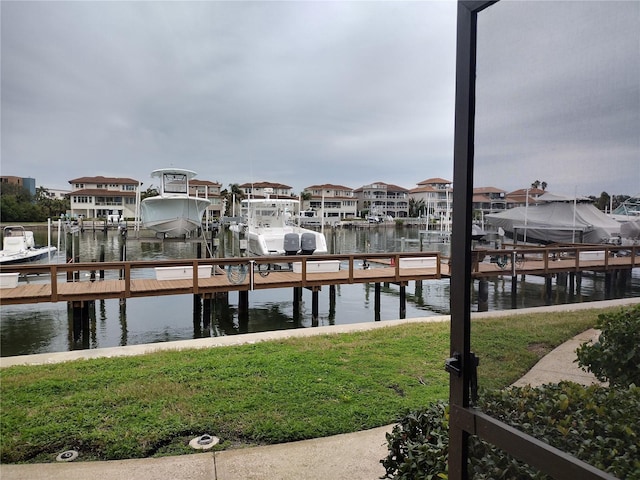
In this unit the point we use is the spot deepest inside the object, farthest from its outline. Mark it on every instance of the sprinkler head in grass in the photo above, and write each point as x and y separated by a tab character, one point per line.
204	442
68	456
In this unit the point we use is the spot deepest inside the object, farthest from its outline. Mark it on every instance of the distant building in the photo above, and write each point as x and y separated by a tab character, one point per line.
262	189
437	195
25	182
383	199
99	197
489	200
518	198
338	202
210	190
57	194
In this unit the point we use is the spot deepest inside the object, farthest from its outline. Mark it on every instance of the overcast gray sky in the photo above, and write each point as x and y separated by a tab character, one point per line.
304	93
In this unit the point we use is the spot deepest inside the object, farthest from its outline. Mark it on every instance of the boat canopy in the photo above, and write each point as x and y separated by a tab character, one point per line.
558	222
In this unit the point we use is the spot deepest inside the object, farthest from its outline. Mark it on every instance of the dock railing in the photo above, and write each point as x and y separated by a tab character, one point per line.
241	272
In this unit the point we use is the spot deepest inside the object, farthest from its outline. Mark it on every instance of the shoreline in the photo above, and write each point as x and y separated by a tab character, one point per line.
249	338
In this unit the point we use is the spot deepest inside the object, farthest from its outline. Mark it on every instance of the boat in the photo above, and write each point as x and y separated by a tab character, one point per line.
270	228
628	211
18	246
557	219
173	213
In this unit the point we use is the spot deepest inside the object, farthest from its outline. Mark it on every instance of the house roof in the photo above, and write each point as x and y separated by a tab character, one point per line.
482	190
328	186
195	182
108	180
101	192
264	185
429	188
435	181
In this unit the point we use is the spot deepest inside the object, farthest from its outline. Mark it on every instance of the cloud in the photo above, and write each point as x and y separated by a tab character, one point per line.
308	92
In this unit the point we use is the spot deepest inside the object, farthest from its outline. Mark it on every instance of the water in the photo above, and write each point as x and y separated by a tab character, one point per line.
44	328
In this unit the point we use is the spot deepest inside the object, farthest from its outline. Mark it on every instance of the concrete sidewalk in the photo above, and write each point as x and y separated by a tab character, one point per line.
353	456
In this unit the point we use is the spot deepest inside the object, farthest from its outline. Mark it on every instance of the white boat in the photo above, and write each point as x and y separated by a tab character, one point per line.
18	246
628	211
270	228
557	219
173	213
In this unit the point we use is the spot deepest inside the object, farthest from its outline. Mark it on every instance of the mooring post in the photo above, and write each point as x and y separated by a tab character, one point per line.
483	295
548	283
243	303
572	283
376	301
314	303
206	313
403	301
332	304
102	261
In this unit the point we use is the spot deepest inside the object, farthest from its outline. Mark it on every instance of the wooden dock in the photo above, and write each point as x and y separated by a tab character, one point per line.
80	282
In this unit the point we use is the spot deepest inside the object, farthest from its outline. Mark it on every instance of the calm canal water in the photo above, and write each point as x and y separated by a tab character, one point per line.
44	328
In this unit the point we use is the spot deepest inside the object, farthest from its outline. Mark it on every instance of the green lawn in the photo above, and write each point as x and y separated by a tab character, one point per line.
270	392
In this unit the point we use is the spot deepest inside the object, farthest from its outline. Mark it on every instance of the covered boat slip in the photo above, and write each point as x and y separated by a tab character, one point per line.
557	222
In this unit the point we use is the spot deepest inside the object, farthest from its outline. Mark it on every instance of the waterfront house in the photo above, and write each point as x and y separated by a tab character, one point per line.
437	196
99	197
337	201
383	199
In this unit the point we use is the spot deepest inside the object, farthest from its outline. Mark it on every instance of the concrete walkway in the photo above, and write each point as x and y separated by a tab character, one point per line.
353	456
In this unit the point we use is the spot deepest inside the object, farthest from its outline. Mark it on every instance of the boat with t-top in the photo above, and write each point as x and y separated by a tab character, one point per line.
173	213
270	226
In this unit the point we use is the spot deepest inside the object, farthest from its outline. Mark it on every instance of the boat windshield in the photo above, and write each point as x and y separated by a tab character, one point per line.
175	183
630	207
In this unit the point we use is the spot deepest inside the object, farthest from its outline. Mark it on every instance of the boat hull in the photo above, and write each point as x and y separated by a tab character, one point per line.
27	256
173	216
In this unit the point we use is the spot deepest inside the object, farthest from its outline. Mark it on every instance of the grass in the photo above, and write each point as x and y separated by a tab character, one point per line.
269	392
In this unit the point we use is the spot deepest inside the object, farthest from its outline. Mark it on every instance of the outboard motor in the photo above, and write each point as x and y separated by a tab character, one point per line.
291	243
308	243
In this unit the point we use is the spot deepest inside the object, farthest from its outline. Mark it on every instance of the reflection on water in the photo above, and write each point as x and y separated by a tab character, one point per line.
48	327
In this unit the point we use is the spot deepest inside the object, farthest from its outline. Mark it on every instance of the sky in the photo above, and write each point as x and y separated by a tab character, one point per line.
305	93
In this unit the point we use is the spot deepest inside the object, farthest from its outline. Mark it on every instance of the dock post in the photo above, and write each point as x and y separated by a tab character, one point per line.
403	301
608	281
314	304
483	295
548	283
332	304
101	274
206	313
572	283
243	303
197	314
514	292
578	282
297	299
376	301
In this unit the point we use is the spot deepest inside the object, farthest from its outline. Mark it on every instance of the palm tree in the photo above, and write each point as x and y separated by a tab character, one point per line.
234	192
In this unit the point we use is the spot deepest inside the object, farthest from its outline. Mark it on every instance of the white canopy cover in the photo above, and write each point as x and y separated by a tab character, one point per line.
558	221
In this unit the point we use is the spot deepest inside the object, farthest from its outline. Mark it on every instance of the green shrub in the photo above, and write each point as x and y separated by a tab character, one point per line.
598	425
615	357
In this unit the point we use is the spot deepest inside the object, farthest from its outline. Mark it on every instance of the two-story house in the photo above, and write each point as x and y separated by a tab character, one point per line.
383	199
98	197
436	195
211	191
264	189
489	200
336	201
